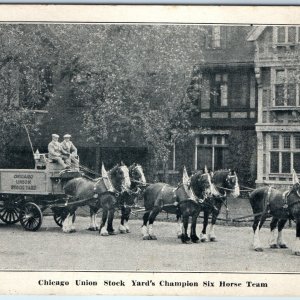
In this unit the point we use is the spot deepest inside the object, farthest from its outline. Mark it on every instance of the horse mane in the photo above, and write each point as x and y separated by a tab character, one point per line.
111	171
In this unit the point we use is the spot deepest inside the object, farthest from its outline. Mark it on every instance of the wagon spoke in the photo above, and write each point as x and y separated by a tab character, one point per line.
9	211
31	217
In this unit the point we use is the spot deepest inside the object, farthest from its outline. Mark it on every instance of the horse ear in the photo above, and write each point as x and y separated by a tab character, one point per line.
295	177
185	176
103	171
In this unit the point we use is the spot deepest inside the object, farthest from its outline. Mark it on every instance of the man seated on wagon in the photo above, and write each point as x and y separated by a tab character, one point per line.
69	151
54	150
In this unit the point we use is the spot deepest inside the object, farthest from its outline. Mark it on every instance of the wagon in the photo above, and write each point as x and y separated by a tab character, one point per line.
26	193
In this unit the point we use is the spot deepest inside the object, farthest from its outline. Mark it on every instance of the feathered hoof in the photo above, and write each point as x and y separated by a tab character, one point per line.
213	239
259	249
122	231
127	231
186	241
93	228
153	237
104	234
112	233
274	246
203	240
297	253
194	239
283	246
146	238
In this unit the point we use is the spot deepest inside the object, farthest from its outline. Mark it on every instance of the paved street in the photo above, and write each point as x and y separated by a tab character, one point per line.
50	249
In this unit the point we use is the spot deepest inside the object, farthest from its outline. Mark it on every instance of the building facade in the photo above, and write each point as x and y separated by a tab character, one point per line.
227	101
278	125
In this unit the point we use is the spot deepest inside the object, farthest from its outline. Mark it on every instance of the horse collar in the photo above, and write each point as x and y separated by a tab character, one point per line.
284	198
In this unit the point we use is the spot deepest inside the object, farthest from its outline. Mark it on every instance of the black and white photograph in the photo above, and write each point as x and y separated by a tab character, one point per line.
150	147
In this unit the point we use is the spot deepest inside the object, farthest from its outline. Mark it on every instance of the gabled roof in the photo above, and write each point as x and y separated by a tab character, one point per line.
255	33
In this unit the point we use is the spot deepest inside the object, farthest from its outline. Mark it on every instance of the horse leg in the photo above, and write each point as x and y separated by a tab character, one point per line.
144	227
194	237
256	240
280	241
111	214
93	225
153	215
296	247
122	228
211	235
102	229
127	215
203	236
179	224
72	220
185	220
67	224
273	240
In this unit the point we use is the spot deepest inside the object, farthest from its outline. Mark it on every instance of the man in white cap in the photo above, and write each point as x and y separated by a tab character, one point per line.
69	151
54	150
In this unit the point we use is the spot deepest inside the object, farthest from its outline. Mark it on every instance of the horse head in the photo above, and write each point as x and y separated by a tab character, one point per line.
120	177
225	181
136	174
201	184
231	183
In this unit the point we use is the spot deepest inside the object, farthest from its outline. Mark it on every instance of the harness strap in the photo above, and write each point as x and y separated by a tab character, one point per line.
284	198
267	197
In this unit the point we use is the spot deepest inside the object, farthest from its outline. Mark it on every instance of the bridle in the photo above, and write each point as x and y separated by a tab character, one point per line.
135	169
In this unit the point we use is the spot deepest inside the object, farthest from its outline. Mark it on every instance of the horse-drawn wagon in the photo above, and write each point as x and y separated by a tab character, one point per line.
26	193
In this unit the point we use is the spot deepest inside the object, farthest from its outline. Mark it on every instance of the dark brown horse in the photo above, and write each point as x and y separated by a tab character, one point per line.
97	193
180	201
281	206
200	183
127	200
224	184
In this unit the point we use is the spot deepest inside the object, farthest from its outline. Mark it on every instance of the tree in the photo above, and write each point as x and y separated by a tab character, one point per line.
140	87
27	53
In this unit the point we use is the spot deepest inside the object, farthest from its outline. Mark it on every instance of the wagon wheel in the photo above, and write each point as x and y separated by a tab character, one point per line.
31	217
59	216
9	211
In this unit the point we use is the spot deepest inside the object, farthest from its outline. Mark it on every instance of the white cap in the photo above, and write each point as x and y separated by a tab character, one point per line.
67	135
55	135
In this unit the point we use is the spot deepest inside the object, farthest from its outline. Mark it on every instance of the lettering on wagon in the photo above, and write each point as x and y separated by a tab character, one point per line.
23	182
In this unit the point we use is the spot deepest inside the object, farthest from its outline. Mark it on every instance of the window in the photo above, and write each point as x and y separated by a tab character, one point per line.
239	89
231	89
212	152
286	87
221	90
285	153
216	37
275	141
287	34
213	37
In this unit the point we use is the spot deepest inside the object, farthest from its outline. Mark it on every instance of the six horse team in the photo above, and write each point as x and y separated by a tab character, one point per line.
203	191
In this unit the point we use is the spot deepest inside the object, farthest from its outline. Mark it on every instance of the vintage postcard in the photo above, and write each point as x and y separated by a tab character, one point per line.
150	150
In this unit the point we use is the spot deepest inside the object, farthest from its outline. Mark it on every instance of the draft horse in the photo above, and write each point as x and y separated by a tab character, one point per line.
201	186
224	184
180	201
127	200
101	192
281	206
